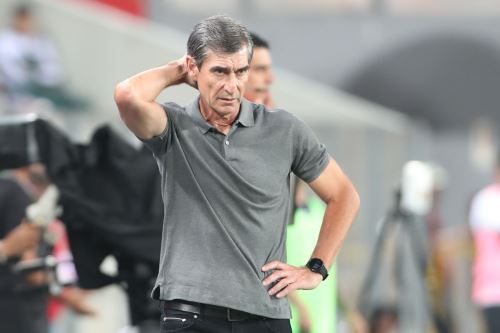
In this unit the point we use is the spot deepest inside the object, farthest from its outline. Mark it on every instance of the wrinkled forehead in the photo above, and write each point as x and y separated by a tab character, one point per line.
235	60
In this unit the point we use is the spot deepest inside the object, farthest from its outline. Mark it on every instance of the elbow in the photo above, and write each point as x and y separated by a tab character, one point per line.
347	197
356	199
124	97
352	198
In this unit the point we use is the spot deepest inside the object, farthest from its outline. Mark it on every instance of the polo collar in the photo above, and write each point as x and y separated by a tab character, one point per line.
245	118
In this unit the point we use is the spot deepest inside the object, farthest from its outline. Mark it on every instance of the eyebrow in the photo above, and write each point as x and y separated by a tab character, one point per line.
243	69
227	70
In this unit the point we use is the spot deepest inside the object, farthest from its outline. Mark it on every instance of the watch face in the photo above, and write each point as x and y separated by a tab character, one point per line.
315	264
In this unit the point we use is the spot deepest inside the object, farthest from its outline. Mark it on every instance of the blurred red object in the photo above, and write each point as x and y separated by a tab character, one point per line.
134	7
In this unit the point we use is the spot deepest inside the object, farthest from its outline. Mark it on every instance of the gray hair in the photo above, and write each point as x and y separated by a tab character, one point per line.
220	34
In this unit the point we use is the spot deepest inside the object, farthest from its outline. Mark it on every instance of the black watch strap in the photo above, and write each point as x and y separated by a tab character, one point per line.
316	265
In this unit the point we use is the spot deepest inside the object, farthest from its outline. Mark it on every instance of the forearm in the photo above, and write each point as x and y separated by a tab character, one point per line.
135	98
6	250
146	86
9	248
23	237
338	218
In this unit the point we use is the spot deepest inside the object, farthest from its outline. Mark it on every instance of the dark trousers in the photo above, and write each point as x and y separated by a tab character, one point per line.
186	322
492	318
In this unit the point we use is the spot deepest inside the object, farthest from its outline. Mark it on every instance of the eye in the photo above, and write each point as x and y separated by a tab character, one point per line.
218	71
242	72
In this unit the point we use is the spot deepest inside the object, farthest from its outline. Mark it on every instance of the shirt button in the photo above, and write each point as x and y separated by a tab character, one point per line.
227	142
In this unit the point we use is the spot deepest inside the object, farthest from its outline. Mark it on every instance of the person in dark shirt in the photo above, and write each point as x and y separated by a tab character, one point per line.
22	308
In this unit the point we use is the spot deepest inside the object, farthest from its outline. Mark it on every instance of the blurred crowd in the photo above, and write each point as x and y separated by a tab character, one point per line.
31	68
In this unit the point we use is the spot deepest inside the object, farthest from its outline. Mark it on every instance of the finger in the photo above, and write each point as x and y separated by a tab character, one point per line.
290	288
273	265
280	286
275	277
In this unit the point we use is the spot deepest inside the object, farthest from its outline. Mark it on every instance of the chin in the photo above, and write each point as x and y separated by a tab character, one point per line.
226	110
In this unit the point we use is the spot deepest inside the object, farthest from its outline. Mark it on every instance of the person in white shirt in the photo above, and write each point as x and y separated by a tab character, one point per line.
485	226
30	65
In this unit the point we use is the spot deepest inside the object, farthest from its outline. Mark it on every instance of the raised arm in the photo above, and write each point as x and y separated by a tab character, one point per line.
136	97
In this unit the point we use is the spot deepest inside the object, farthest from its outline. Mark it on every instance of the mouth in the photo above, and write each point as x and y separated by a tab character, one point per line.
226	100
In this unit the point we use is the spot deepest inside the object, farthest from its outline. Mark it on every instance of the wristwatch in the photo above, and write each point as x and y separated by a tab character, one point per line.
316	265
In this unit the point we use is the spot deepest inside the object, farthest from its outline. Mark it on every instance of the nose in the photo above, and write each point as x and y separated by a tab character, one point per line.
230	85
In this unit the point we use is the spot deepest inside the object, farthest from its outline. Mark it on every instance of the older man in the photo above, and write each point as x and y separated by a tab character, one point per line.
225	166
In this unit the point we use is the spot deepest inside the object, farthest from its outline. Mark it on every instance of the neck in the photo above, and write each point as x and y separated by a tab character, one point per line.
222	122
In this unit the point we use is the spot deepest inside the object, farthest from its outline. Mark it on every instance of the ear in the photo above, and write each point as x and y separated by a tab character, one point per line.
192	68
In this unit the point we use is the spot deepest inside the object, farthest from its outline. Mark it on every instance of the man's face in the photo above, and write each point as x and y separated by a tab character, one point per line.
260	77
24	23
221	81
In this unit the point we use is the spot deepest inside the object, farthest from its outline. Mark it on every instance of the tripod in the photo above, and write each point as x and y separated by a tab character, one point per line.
410	310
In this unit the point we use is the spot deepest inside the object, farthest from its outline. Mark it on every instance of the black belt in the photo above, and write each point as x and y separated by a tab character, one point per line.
209	310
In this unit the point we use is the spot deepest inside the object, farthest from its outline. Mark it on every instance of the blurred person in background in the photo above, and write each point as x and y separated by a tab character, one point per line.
22	307
260	76
438	277
30	65
114	226
225	167
485	226
71	303
30	292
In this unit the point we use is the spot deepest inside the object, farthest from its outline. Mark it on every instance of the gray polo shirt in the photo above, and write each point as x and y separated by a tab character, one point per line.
226	203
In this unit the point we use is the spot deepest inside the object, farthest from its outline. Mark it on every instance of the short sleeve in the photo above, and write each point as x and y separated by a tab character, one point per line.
310	157
159	144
